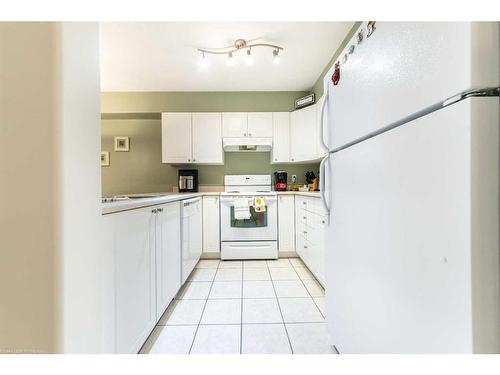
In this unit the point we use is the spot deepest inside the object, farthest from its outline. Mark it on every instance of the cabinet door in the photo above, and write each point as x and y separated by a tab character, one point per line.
207	138
260	124
281	137
135	278
303	134
286	223
320	256
191	235
168	255
176	139
234	124
211	225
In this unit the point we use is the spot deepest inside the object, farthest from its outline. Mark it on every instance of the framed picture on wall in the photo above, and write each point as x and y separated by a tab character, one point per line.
105	159
122	144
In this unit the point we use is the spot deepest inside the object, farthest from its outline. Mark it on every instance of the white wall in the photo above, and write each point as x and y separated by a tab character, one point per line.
80	184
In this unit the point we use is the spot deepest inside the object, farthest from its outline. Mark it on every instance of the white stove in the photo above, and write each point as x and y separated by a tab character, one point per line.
254	237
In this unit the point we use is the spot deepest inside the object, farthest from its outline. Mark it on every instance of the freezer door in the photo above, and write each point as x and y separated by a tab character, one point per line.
404	67
398	263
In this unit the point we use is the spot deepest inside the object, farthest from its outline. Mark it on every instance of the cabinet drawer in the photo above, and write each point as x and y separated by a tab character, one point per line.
310	204
302	217
302	202
302	247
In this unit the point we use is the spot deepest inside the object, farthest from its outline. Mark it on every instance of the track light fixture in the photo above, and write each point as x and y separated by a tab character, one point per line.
241	44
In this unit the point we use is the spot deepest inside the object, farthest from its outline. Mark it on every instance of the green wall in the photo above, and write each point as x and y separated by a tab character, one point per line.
137	115
140	170
150	104
318	85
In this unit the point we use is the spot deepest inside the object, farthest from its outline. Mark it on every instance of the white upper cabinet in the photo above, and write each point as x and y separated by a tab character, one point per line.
207	138
192	138
251	124
281	138
176	138
304	134
234	124
260	124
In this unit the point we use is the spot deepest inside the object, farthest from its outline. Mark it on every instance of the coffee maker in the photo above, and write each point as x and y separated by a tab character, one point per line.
188	180
280	179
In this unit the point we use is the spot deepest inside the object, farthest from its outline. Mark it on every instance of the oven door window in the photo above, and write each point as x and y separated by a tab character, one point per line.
257	219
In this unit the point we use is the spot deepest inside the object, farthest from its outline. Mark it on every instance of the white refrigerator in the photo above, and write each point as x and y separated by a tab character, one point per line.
411	181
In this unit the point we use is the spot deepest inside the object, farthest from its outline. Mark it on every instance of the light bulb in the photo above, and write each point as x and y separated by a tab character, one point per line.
230	59
276	56
248	59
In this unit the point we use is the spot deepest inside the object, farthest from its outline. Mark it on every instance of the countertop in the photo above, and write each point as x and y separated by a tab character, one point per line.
314	194
162	198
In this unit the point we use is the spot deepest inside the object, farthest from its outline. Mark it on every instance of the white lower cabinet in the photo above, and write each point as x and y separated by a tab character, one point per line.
191	235
310	227
286	223
147	270
211	225
168	255
135	284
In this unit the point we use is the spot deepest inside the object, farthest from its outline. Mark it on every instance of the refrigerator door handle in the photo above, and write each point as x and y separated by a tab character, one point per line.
321	126
322	183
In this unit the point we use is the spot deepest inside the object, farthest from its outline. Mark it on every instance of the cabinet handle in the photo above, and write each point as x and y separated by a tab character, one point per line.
293	159
322	221
304	217
305	247
304	202
275	159
154	211
160	210
249	134
245	134
189	160
194	160
305	232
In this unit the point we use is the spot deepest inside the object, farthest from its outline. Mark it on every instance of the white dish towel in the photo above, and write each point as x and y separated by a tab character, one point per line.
241	209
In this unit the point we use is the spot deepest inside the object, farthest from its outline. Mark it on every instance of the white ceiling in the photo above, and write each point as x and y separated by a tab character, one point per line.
146	56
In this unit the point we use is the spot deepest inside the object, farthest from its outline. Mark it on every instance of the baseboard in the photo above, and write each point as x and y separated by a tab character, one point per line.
281	254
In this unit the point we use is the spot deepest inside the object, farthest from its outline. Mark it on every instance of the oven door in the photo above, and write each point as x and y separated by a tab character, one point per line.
260	227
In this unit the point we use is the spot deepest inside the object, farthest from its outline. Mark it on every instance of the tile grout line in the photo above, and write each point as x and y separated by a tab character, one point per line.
310	295
203	311
241	312
279	307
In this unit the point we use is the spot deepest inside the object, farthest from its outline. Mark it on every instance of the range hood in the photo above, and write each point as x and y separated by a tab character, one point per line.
247	144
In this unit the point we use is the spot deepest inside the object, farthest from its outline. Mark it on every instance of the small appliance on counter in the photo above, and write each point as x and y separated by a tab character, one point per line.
187	180
280	180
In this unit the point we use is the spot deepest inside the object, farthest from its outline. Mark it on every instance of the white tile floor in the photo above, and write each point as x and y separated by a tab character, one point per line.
244	307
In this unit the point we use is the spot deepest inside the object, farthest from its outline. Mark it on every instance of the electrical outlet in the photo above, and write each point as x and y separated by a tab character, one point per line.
294	178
